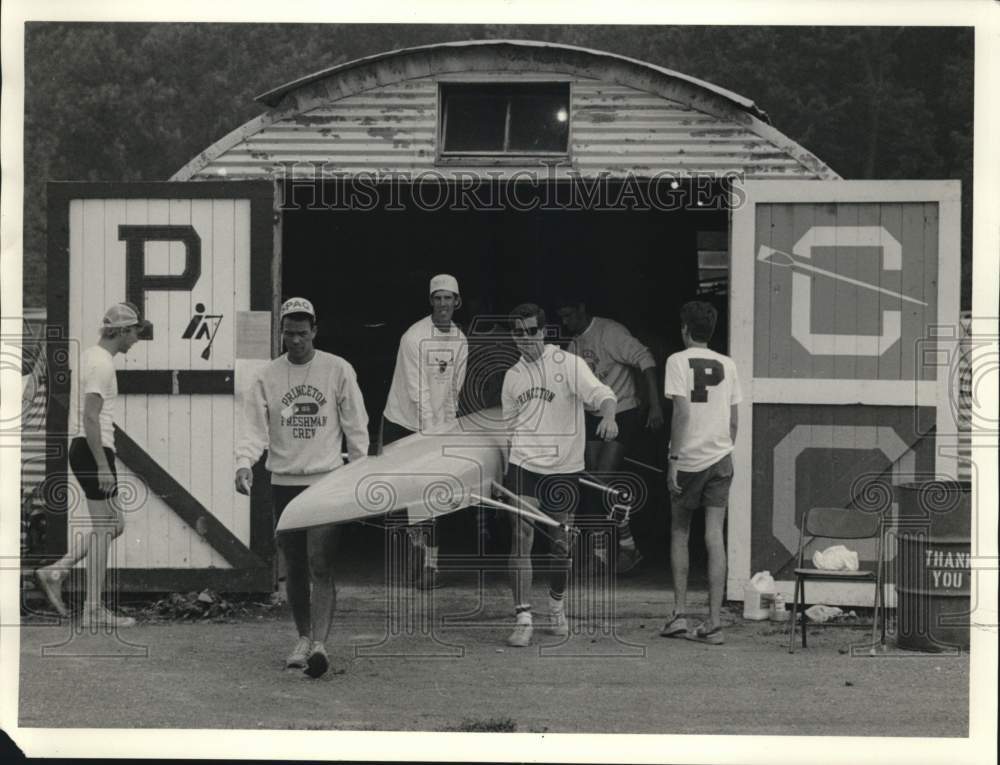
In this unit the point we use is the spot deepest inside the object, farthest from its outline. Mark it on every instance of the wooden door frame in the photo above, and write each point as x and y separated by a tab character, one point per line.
947	194
260	194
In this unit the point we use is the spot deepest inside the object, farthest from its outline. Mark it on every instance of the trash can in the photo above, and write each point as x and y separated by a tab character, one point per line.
933	565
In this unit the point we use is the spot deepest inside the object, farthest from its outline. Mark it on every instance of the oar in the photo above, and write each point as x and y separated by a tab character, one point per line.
643	465
534	516
787	260
616	493
619	498
531	511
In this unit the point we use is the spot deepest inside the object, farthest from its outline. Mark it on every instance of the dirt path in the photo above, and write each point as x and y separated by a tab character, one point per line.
229	675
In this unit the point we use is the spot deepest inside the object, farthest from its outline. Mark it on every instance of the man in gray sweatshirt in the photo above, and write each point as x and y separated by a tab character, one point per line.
300	407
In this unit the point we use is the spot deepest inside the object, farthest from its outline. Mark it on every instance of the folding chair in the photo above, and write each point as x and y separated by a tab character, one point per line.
838	523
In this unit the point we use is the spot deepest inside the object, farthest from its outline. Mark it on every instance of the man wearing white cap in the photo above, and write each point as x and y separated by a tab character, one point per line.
92	459
423	397
300	407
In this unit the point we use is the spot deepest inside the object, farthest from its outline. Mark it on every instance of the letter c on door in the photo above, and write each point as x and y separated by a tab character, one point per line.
819	344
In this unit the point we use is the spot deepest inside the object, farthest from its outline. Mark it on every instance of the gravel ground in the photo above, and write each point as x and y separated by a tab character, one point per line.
460	676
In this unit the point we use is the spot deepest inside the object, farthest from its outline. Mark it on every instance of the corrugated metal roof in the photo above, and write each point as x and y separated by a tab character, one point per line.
275	96
379	114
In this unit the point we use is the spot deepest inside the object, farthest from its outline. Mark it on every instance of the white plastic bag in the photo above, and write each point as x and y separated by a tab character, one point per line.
836	558
820	614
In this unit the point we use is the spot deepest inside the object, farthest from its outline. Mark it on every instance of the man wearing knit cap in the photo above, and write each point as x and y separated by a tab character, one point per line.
92	459
423	397
300	407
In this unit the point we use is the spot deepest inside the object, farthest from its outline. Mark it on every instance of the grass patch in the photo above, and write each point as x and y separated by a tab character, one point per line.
489	725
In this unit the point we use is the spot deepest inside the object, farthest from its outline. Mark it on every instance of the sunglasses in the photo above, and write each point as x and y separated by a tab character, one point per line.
522	331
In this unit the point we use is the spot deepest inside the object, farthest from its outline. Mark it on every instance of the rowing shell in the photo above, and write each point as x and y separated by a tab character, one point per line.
428	474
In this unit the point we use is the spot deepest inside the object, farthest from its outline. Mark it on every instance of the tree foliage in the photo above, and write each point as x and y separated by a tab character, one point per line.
132	102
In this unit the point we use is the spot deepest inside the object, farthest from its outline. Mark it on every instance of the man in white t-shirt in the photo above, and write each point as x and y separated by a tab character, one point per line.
613	354
543	398
426	383
705	391
93	404
301	407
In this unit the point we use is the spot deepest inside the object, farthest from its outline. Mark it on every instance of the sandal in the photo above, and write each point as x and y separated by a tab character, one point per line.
676	626
701	635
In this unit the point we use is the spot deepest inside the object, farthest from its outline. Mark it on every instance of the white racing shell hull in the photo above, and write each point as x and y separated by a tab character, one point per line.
429	475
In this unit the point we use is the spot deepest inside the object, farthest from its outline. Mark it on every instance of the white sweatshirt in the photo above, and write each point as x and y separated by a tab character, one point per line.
543	403
611	351
300	414
429	374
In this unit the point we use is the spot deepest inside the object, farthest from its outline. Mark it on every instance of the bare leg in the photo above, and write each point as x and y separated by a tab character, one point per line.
423	538
559	541
591	501
82	540
105	529
716	546
522	540
610	459
91	543
293	545
322	545
680	527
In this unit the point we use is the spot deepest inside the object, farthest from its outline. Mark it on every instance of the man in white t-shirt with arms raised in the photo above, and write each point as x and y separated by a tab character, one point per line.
705	391
93	407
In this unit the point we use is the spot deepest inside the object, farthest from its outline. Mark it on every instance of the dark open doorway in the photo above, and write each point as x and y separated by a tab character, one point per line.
367	272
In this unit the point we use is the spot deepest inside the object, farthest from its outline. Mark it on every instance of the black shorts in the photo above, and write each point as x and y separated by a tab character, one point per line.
556	493
295	544
281	496
392	432
630	423
81	460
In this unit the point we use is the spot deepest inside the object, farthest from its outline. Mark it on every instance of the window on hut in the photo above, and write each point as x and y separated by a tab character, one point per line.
504	119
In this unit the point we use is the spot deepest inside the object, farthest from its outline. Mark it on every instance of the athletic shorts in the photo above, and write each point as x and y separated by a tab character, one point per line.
81	460
280	497
705	488
630	423
294	544
556	493
392	432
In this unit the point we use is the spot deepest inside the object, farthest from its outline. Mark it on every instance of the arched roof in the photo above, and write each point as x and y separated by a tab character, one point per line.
516	57
588	58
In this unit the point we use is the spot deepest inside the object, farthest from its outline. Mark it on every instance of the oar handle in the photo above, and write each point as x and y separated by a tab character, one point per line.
531	511
644	465
532	515
616	493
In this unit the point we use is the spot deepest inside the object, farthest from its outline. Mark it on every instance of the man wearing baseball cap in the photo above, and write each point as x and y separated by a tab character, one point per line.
423	397
300	407
93	403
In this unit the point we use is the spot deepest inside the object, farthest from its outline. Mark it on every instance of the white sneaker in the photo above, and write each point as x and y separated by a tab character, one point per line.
318	661
300	655
559	626
521	636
